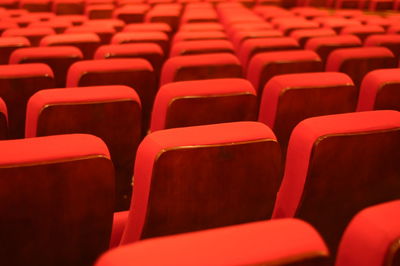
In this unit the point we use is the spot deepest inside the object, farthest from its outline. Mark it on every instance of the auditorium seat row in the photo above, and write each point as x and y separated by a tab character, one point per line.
194	178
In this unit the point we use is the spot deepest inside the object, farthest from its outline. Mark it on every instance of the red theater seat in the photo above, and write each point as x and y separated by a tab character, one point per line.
209	101
205	26
251	47
199	16
248	26
156	37
117	24
289	99
136	73
264	66
58	26
7	24
338	165
390	41
105	32
34	35
302	36
372	237
363	31
99	11
68	7
170	16
17	84
145	27
150	51
3	120
201	47
241	36
217	194
271	242
58	58
62	210
380	89
337	23
198	36
93	110
86	42
203	66
323	46
35	5
357	62
10	44
131	13
288	26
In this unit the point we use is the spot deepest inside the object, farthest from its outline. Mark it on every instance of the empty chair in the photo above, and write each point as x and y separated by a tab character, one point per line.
209	101
380	89
170	16
58	58
323	46
241	36
17	84
57	25
203	66
390	41
156	37
105	32
303	35
34	35
131	13
363	31
95	110
251	47
136	27
272	242
337	165
357	62
202	26
63	211
99	11
35	6
150	51
86	42
201	47
234	171
10	44
136	73
117	24
198	35
289	99
3	120
68	7
264	66
372	237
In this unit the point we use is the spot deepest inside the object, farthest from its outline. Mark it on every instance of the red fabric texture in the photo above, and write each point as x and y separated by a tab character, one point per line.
130	50
201	46
69	38
311	33
78	95
51	148
315	43
141	36
240	36
89	29
371	85
261	60
277	86
382	39
25	70
301	143
370	235
28	32
158	141
362	29
169	92
3	108
339	56
173	64
202	26
198	35
44	52
266	242
118	227
155	26
17	41
78	69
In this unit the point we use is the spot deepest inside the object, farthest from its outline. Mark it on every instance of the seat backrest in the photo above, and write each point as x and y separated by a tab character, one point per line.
201	177
276	242
338	165
56	200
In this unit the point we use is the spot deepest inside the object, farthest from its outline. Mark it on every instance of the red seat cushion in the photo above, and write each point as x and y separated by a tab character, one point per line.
201	47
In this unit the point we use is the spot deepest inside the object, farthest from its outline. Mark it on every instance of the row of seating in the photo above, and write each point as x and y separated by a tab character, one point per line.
235	177
371	238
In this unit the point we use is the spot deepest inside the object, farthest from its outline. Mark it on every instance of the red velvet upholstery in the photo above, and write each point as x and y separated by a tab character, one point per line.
302	36
169	15
240	36
86	42
271	242
156	37
337	165
199	15
357	62
54	219
288	26
105	32
198	35
58	58
204	66
68	7
35	5
10	44
117	24
323	46
390	41
17	84
7	24
137	27
136	73
3	120
150	51
205	26
363	31
131	13
251	47
234	170
34	35
372	237
248	26
264	66
99	11
58	26
209	101
77	110
337	23
380	89
201	47
289	99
